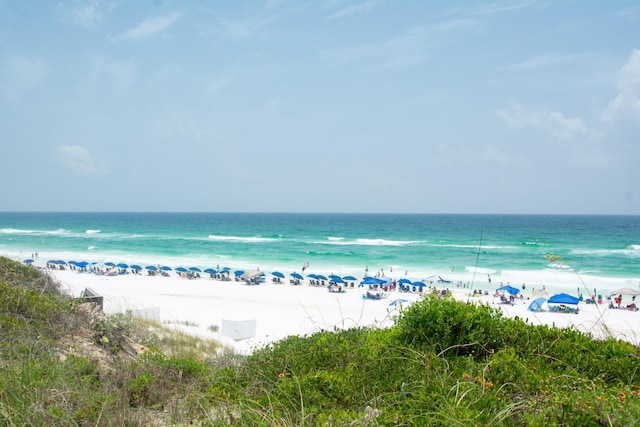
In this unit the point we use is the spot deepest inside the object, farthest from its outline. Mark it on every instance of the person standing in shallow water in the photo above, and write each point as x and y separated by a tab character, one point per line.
489	278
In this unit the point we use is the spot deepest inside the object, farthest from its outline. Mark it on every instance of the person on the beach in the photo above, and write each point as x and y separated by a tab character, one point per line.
489	278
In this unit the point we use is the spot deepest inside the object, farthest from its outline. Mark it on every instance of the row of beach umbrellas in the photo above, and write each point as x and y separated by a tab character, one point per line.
226	270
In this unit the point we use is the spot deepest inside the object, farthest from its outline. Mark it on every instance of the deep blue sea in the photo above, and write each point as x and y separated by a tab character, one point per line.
597	251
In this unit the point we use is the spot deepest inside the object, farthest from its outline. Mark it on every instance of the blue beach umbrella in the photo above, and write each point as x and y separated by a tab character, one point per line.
196	269
122	265
109	264
210	271
397	302
312	275
278	274
334	276
28	261
238	273
321	277
135	267
181	269
151	267
419	283
349	278
404	281
297	276
337	279
165	268
509	289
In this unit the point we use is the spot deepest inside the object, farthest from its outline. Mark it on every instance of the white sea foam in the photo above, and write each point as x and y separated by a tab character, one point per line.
254	239
92	231
371	242
21	231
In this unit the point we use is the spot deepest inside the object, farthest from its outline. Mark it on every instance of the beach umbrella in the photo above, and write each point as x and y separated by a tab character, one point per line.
151	267
334	277
210	271
349	278
297	276
238	273
28	261
196	269
397	302
122	265
404	281
372	281
321	277
338	280
135	267
165	268
626	291
225	269
419	283
563	299
181	269
509	289
312	275
536	304
109	264
278	274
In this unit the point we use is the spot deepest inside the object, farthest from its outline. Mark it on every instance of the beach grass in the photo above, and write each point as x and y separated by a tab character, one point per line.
444	362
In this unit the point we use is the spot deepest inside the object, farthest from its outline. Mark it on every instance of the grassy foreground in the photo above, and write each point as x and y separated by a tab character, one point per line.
444	363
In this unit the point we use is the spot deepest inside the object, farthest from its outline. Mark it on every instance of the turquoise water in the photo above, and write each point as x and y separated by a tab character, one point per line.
604	250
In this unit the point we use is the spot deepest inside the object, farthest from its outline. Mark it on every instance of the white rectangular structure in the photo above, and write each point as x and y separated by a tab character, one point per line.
238	329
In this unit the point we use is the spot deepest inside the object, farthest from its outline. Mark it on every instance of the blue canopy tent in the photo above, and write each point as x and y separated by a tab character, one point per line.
564	299
509	289
536	304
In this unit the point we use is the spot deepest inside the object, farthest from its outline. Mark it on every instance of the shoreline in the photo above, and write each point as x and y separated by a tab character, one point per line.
201	306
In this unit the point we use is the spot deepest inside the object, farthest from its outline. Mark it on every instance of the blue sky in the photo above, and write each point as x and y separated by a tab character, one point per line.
520	106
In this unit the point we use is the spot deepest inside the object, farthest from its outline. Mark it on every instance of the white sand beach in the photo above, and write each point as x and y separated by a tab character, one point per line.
200	306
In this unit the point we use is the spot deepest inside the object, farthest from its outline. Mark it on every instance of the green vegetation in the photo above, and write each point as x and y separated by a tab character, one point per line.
443	363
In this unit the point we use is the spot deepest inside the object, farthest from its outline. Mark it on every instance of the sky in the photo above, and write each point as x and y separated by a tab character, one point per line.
515	106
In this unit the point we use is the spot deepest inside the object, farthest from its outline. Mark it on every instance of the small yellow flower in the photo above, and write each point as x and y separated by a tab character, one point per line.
584	405
479	379
466	376
488	384
601	397
542	392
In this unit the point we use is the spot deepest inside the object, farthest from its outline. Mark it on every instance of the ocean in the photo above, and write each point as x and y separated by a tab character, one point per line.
594	253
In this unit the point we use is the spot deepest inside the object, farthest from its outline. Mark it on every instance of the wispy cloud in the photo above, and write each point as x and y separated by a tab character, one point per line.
631	13
545	61
86	14
496	8
554	123
80	161
627	101
354	9
149	27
